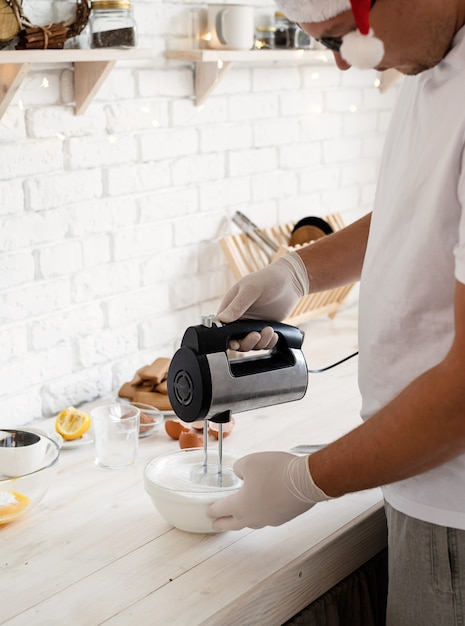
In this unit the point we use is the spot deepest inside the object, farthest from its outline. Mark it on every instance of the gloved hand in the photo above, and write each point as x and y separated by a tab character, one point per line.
268	294
277	487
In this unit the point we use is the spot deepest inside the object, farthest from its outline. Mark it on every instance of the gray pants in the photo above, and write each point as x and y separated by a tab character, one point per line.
426	573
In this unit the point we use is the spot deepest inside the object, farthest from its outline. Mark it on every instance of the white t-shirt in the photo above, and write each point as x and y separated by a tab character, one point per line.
416	251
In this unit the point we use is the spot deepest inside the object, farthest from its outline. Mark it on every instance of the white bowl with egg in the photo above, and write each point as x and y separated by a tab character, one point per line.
182	488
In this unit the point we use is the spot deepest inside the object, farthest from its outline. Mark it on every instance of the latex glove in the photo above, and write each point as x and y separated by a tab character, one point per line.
278	486
268	294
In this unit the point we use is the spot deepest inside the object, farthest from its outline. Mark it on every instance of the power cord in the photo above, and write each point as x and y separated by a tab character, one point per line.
328	367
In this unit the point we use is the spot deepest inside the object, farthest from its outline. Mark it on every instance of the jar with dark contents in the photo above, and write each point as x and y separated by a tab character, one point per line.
112	24
264	37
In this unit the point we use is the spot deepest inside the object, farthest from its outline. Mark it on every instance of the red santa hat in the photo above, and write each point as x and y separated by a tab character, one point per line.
360	48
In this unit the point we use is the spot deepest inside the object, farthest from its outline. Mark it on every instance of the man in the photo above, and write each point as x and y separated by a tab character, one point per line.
410	257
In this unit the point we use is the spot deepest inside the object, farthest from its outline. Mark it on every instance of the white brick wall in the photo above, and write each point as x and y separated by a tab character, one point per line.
109	221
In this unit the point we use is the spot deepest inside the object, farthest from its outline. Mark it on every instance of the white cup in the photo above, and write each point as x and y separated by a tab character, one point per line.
116	434
230	27
21	452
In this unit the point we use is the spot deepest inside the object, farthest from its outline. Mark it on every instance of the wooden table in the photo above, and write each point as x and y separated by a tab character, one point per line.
96	551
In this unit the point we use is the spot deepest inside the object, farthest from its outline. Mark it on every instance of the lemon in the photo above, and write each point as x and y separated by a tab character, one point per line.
72	424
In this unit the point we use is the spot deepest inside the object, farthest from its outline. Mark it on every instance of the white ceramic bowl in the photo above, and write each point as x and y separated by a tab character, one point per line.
182	492
20	492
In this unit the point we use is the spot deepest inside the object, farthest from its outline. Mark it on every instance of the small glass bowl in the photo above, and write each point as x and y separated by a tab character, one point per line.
20	493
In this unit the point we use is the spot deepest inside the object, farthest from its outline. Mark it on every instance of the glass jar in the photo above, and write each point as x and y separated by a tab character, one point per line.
264	37
112	24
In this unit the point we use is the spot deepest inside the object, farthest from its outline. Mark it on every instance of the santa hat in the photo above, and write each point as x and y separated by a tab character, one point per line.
360	48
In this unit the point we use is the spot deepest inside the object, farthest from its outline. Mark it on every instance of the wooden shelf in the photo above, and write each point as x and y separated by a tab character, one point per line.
91	67
211	65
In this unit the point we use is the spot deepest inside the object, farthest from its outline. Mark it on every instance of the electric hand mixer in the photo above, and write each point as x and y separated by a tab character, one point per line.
204	384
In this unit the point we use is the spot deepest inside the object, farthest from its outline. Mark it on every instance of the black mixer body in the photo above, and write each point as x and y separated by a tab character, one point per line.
203	383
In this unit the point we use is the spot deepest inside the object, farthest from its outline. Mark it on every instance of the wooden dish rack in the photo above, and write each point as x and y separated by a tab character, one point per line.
245	256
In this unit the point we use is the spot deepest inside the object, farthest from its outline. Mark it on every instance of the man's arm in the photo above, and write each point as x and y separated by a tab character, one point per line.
337	259
424	426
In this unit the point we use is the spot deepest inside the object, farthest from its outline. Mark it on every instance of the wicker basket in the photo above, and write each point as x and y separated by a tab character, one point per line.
245	256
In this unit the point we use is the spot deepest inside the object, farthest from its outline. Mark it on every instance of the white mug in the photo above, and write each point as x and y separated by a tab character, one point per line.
231	27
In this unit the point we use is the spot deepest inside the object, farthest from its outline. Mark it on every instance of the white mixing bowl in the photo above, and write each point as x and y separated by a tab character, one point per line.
182	491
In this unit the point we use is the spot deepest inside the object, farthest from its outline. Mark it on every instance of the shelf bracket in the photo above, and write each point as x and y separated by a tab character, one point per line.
11	77
207	75
88	77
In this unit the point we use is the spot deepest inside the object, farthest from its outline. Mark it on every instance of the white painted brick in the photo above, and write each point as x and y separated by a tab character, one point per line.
295	208
164	144
230	137
38	298
13	342
101	281
20	409
137	178
168	204
224	193
339	200
358	172
373	146
39	158
359	123
235	80
50	330
276	78
56	190
176	82
320	178
277	185
73	390
96	250
300	156
338	150
106	345
253	107
85	152
275	132
130	116
20	232
11	197
211	255
60	121
119	85
41	88
321	76
198	168
342	101
321	126
142	240
213	111
301	103
13	125
249	162
16	269
142	303
101	216
60	259
195	228
35	368
166	329
169	265
189	291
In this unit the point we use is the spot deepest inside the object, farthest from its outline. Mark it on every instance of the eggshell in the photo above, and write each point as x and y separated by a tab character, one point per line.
174	429
227	428
190	440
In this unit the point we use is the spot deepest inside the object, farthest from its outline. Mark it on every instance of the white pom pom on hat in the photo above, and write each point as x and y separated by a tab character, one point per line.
359	48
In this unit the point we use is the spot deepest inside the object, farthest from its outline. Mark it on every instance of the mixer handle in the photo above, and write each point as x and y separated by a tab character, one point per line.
207	340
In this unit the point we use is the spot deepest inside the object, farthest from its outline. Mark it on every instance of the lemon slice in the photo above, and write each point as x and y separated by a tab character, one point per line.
72	424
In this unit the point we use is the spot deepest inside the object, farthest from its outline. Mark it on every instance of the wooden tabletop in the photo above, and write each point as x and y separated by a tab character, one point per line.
96	551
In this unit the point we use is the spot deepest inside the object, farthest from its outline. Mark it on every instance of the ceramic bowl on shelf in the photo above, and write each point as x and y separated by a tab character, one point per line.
150	417
182	489
28	465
